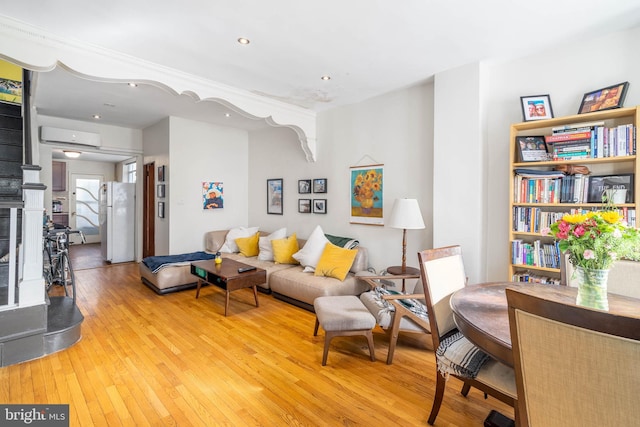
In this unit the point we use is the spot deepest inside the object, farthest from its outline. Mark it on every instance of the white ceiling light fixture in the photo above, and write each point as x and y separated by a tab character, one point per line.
243	40
71	154
96	116
325	77
227	115
132	84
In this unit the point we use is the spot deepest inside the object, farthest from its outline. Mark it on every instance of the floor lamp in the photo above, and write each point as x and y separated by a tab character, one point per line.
407	216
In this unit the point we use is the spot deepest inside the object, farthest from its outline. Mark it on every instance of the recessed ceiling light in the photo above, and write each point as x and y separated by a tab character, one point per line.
243	40
325	77
227	115
96	116
71	154
132	84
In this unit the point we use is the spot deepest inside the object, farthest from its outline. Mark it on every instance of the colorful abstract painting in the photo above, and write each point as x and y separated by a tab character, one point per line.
212	195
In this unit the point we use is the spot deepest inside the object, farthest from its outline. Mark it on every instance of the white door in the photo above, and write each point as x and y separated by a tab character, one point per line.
84	205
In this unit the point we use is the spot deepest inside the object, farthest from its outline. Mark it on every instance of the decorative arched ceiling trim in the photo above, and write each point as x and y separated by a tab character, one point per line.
35	49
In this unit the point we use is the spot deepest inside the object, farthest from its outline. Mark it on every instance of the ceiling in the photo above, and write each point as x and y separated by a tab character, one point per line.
367	47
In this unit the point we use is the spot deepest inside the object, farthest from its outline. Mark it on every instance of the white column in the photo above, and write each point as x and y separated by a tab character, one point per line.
32	288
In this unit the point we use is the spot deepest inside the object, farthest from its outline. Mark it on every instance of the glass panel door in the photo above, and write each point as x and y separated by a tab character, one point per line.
85	202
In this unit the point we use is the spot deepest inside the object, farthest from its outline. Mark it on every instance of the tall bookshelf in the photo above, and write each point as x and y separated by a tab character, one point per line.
523	211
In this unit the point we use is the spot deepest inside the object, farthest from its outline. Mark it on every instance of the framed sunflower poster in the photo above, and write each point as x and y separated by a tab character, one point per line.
366	194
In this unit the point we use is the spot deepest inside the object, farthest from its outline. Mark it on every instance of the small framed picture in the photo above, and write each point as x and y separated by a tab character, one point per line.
611	188
304	205
536	107
274	196
304	186
161	191
161	209
604	99
160	173
320	206
532	148
320	185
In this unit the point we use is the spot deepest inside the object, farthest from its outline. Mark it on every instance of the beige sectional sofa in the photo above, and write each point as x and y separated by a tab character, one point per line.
289	282
286	282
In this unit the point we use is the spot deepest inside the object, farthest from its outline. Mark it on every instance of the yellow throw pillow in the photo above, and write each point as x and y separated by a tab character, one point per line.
335	261
283	249
249	245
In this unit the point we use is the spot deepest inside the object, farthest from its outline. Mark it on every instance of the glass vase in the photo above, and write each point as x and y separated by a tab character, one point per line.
592	288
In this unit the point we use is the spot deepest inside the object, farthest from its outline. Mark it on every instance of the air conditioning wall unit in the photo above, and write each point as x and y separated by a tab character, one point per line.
68	136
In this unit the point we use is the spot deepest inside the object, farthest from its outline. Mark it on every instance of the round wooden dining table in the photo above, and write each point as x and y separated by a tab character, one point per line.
481	313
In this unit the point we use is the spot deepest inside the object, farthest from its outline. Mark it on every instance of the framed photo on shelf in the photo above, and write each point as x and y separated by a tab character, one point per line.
160	173
604	99
304	186
532	148
161	191
616	188
304	205
536	107
320	206
320	185
274	196
160	209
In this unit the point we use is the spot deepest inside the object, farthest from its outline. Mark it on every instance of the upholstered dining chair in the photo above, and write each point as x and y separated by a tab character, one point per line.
443	273
574	366
394	312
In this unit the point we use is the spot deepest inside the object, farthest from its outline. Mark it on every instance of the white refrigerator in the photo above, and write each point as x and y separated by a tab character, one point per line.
117	221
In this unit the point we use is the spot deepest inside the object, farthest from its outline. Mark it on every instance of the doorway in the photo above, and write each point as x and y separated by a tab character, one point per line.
148	211
85	206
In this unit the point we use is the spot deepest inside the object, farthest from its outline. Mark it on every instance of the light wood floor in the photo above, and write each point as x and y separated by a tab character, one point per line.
146	359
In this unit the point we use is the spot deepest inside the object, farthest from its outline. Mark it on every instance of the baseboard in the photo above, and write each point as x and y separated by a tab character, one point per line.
295	302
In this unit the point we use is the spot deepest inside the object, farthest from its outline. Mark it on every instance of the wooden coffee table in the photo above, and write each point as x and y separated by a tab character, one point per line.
226	276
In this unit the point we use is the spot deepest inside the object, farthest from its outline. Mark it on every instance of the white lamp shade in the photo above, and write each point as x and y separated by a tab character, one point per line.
406	214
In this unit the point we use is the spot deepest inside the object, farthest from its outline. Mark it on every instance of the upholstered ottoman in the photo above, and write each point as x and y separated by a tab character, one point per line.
343	315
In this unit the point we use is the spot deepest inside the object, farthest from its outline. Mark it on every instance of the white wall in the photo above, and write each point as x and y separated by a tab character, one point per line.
201	152
393	129
459	164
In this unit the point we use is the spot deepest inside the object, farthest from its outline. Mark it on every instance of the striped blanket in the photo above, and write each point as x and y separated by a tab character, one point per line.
457	355
155	263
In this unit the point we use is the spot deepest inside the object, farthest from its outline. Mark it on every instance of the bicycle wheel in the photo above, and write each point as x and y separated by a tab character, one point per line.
67	277
47	269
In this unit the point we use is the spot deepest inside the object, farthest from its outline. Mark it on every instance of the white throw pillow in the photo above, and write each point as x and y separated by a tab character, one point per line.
310	253
230	245
264	244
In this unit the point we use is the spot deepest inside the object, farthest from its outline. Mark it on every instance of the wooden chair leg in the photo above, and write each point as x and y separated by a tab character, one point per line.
465	389
372	352
395	330
328	336
441	382
315	330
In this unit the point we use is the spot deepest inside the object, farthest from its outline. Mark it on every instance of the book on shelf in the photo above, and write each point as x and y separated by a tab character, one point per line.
576	127
535	254
603	141
584	145
575	155
567	137
527	276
